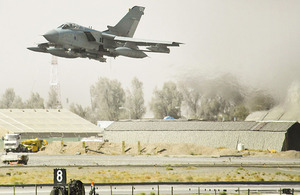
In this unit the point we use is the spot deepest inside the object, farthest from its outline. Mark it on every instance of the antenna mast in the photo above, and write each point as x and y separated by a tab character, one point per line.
54	81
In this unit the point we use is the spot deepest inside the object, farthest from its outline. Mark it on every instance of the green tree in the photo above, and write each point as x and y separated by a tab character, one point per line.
107	96
241	112
18	103
35	101
53	102
85	113
78	109
11	100
191	98
135	99
222	98
212	99
166	102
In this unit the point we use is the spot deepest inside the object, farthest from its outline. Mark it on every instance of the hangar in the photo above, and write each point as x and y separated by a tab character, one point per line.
265	135
46	123
277	114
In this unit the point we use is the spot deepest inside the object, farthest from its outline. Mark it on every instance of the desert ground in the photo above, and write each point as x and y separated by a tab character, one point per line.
160	149
163	173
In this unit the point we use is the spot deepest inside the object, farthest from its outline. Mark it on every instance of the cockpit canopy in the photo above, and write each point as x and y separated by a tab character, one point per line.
69	26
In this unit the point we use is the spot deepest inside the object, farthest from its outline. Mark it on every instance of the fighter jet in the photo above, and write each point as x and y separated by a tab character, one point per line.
71	40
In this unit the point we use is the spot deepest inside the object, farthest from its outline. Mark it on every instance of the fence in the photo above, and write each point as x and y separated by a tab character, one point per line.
220	188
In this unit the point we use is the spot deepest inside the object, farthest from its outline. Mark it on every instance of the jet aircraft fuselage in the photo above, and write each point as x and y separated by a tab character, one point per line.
71	40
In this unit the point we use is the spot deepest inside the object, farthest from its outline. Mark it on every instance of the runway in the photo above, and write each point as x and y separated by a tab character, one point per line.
151	164
184	160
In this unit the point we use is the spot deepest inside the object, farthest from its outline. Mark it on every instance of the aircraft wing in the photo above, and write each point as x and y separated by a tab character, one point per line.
153	46
143	42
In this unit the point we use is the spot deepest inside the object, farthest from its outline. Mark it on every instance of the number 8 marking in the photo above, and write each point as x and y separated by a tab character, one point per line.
59	176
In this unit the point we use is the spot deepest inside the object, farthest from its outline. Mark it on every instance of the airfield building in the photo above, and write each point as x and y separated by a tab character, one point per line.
275	114
265	135
48	124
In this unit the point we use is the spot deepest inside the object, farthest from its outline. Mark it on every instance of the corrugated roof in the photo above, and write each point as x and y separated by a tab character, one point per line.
44	120
278	113
277	126
199	126
256	116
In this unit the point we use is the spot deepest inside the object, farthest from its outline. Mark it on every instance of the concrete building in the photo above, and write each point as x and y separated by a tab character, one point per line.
46	124
254	135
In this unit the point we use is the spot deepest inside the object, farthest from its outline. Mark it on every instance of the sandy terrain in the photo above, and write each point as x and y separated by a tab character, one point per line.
166	173
26	175
155	149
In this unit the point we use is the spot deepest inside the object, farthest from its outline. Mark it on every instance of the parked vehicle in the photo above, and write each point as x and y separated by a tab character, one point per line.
34	145
13	158
12	143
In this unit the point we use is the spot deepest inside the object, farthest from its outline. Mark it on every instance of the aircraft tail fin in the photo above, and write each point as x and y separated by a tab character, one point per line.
127	25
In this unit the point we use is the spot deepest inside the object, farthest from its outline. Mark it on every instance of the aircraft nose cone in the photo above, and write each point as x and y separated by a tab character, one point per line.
51	36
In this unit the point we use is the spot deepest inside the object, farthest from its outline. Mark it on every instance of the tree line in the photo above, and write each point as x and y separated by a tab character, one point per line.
216	99
10	100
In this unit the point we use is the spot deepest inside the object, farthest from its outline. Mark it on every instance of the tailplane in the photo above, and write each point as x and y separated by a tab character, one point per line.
127	25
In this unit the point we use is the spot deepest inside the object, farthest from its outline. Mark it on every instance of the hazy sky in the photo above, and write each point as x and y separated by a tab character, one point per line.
256	40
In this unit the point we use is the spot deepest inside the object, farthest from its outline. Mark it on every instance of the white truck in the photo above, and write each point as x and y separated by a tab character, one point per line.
12	143
14	158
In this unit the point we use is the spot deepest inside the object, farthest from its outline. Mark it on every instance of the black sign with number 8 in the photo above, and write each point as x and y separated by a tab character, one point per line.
60	176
